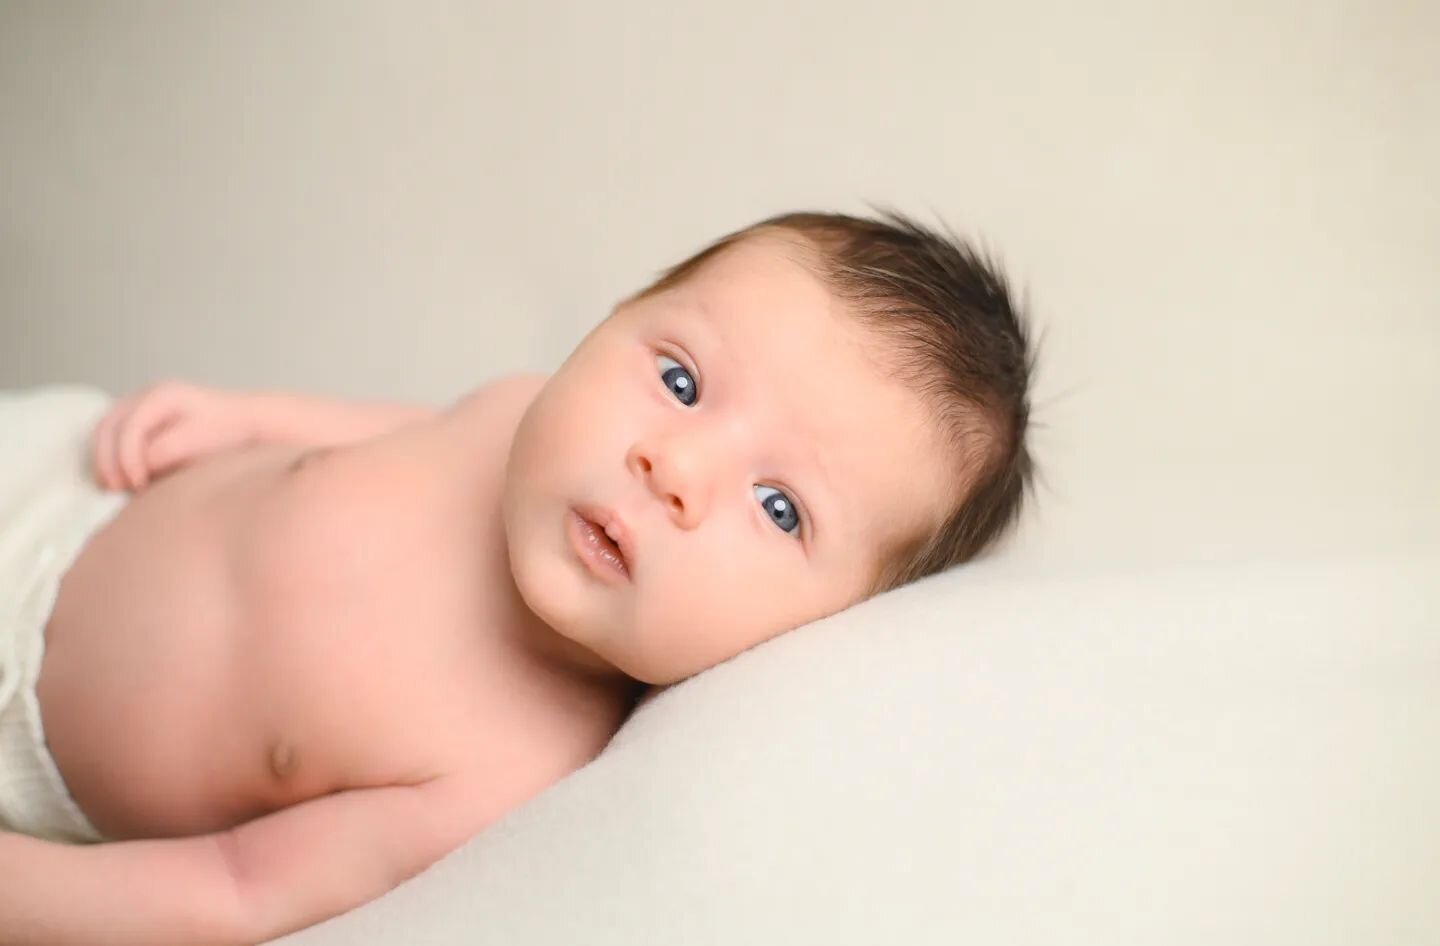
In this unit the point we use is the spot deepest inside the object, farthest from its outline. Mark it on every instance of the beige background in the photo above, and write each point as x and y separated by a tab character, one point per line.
1225	217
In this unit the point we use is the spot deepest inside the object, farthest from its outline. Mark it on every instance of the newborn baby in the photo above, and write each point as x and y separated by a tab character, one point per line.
323	644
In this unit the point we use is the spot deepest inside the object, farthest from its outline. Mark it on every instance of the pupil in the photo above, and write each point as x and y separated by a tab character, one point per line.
682	386
781	512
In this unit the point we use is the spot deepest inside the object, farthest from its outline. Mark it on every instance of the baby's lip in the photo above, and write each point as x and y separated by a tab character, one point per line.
609	521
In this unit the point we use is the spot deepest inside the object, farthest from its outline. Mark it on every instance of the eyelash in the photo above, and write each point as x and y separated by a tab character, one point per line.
803	527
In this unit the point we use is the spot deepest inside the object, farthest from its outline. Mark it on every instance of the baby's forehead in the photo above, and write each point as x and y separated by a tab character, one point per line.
830	397
765	284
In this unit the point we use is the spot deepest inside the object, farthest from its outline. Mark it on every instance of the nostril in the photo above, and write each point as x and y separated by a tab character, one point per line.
645	464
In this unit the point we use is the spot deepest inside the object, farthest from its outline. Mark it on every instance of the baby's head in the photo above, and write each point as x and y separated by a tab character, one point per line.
810	411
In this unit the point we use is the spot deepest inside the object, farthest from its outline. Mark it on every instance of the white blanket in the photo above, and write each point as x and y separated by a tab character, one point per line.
1241	754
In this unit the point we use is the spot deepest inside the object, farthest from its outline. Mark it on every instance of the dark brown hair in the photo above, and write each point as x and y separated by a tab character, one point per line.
957	338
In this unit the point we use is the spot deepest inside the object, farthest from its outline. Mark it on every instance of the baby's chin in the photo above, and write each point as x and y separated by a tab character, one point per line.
552	596
540	591
601	642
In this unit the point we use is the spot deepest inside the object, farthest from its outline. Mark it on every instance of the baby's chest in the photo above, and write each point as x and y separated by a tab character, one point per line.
374	574
393	674
364	578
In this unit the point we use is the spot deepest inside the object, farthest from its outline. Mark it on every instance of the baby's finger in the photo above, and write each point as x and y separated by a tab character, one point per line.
125	464
135	431
98	438
172	446
103	450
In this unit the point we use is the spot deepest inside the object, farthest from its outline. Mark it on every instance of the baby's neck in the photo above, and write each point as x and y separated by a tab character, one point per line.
482	429
540	646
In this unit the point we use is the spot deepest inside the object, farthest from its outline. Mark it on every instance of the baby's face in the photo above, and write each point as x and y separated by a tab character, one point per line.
755	451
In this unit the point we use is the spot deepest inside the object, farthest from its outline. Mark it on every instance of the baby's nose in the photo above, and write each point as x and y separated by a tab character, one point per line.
678	479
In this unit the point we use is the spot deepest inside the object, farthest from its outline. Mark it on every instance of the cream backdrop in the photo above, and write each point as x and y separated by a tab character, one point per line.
1224	217
1226	221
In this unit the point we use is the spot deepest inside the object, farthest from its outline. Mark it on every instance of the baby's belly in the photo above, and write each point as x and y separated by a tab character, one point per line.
245	635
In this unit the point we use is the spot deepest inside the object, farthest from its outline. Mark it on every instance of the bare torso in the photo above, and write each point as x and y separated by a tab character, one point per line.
277	623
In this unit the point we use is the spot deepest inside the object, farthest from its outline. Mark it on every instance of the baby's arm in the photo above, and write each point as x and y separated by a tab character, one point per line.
287	417
255	882
161	428
167	891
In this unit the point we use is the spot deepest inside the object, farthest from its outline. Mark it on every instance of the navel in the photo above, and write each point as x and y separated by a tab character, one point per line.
284	760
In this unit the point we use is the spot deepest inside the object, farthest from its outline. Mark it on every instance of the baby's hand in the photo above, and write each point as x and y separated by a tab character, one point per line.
161	428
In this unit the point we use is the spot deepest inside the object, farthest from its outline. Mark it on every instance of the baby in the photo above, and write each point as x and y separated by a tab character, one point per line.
303	648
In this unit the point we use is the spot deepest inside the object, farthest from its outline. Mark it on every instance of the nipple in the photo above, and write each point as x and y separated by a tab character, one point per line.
303	459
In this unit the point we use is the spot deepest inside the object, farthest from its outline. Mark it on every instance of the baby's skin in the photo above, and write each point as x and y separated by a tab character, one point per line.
295	664
297	669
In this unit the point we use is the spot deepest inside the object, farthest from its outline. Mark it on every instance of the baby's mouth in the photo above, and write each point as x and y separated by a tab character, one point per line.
606	535
605	540
592	542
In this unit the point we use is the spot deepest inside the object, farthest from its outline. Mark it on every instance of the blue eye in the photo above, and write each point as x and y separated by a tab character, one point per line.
780	508
678	380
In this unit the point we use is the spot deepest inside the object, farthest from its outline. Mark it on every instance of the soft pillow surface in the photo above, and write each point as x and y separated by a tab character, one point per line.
1238	754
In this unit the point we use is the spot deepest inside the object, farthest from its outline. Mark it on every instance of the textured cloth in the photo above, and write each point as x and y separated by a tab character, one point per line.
49	507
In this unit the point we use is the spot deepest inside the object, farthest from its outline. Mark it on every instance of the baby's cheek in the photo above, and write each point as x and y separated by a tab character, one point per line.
544	441
697	621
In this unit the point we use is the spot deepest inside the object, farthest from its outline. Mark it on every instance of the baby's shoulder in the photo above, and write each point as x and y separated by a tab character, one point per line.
516	390
495	408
